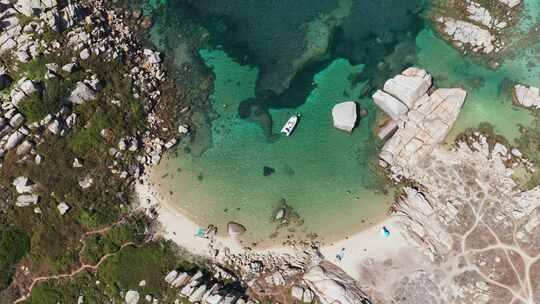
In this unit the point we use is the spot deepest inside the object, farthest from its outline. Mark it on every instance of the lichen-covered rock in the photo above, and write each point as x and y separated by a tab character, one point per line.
81	94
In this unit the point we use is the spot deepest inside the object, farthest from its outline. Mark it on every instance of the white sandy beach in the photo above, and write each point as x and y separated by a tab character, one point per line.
177	227
370	243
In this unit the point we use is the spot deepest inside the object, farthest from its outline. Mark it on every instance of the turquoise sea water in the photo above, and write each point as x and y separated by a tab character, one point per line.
324	174
319	171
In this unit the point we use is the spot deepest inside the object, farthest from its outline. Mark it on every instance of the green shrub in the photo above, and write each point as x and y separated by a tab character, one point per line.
88	139
14	245
99	245
49	101
131	265
68	291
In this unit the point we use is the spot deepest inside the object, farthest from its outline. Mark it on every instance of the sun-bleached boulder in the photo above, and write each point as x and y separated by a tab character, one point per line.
422	125
409	85
132	297
344	116
528	97
510	3
389	104
235	229
333	286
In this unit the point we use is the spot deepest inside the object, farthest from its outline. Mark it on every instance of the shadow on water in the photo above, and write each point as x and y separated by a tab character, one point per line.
274	35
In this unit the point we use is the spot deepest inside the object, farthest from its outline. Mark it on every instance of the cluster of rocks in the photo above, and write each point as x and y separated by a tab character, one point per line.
88	29
480	29
332	285
46	15
529	97
473	229
418	121
21	136
197	288
470	217
28	195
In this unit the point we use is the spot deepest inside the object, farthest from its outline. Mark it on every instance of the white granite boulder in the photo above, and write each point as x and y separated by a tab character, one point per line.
171	276
27	200
63	208
344	116
332	285
510	3
409	85
25	88
28	8
389	104
23	185
235	229
81	94
132	297
528	97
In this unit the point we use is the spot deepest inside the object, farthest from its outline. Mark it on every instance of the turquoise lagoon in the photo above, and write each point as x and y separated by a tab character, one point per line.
328	177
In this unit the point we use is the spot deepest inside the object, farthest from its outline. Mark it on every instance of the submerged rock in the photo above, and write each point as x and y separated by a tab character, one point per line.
235	229
344	116
267	171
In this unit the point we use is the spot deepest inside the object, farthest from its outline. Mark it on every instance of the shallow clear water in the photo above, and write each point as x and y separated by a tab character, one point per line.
321	172
324	174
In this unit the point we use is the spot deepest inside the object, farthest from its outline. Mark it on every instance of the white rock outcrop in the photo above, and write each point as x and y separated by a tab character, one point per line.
27	200
425	124
462	32
332	286
63	208
81	94
389	104
344	116
23	185
409	86
510	3
132	297
528	97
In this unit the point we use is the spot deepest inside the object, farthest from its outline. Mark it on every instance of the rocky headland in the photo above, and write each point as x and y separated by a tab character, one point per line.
478	27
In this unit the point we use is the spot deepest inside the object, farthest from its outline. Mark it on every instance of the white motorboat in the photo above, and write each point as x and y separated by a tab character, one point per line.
289	126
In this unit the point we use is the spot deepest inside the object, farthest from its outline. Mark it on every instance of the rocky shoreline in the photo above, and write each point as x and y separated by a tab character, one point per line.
476	27
469	232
